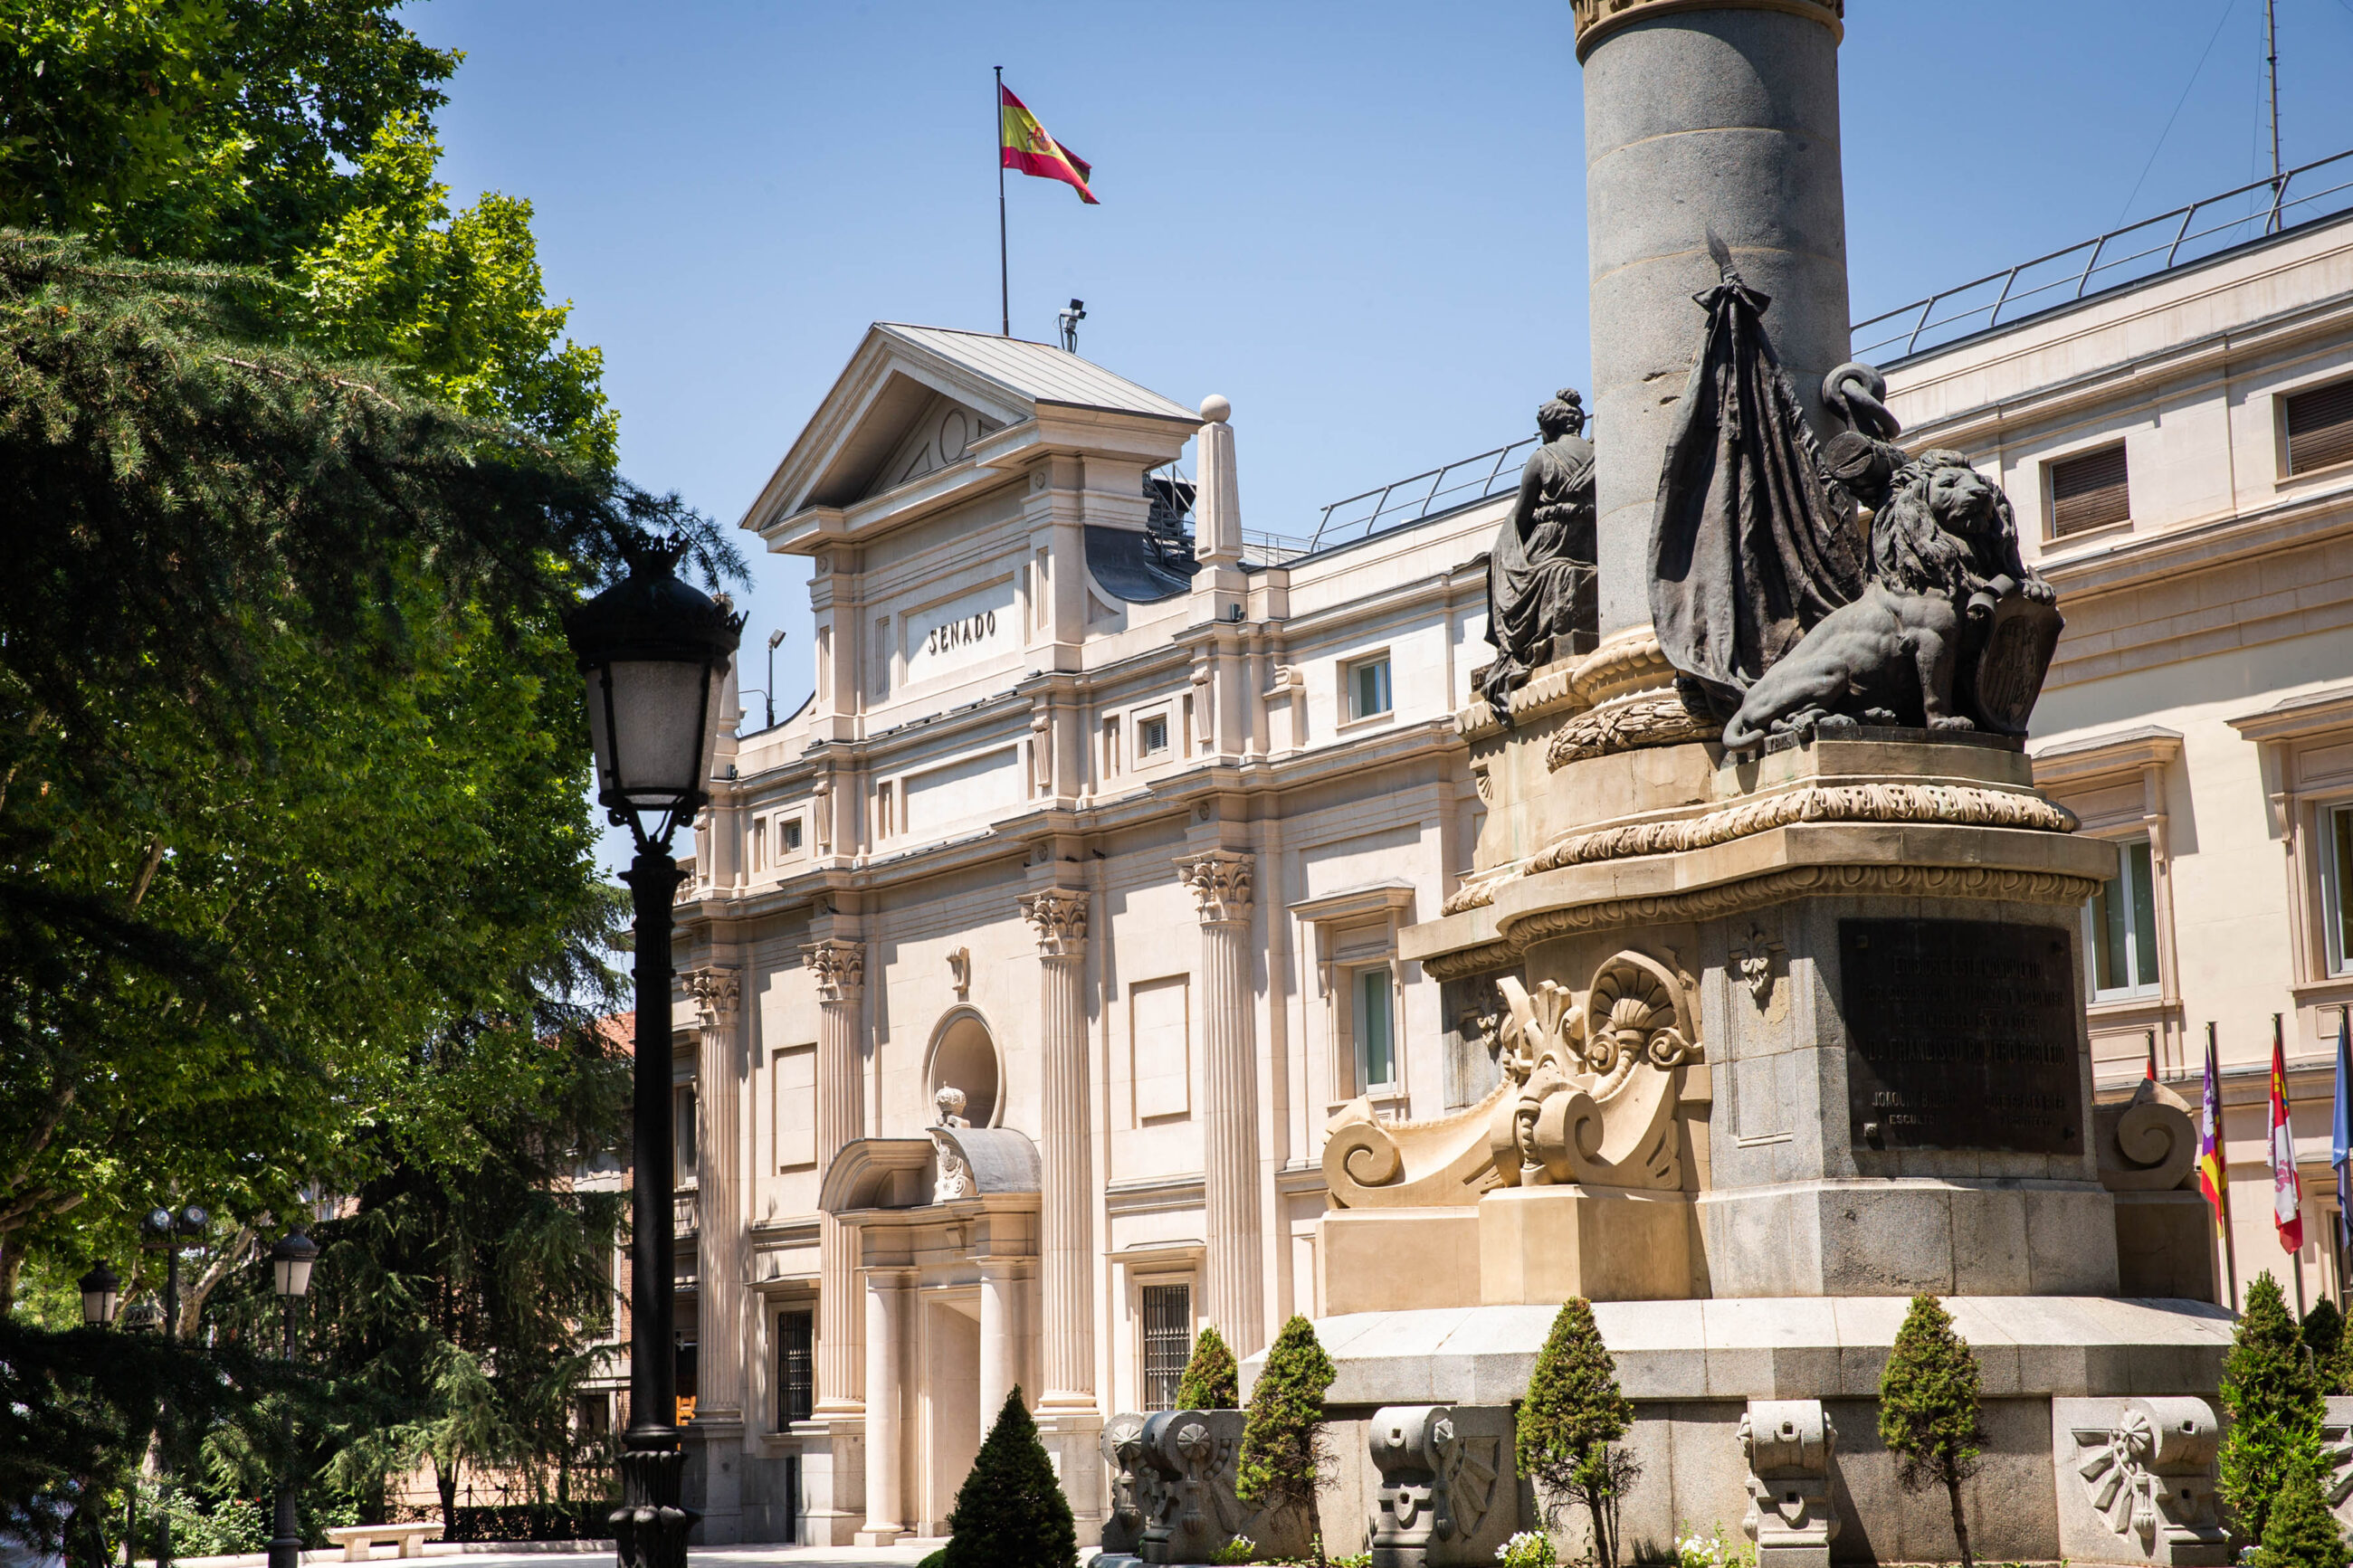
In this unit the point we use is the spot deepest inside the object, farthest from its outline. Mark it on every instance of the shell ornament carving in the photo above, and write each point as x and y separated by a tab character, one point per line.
1596	1083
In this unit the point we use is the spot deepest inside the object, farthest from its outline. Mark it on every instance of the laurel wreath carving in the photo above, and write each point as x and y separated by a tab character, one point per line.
1963	804
1626	727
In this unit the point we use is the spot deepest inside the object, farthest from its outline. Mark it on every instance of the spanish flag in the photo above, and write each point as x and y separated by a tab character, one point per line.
1029	149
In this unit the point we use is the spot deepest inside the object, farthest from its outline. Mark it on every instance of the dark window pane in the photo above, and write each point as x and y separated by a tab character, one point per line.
2320	427
2090	491
795	1366
2143	914
2341	843
1167	1342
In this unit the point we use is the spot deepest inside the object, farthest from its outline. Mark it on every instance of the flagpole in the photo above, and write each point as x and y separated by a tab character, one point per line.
2230	1243
1004	288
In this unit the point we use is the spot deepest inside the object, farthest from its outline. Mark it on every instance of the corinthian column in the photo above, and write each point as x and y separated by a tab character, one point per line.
839	970
1221	882
719	1176
1066	1195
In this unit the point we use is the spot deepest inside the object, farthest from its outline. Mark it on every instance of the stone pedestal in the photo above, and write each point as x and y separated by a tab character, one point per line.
1789	1444
1449	1494
2136	1480
833	1480
1073	1441
1543	1244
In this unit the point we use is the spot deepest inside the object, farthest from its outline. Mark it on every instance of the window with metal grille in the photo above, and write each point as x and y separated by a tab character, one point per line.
2090	490
1167	1342
796	1367
2320	427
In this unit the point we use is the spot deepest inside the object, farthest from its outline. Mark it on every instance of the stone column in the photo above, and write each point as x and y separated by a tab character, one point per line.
1066	1196
839	970
717	1428
1000	1336
1700	112
886	1312
1220	883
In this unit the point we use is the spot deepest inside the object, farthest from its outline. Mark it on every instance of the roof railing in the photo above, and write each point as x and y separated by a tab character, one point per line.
2302	194
1410	500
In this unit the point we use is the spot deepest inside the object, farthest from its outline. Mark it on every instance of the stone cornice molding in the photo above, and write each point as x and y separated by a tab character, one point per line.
2098	756
716	992
1596	19
1058	918
2295	718
838	968
1220	883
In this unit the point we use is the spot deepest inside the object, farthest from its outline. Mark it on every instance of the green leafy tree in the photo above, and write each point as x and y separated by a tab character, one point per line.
1010	1512
1928	1411
2273	1402
1212	1380
2323	1341
1284	1449
2301	1532
1570	1423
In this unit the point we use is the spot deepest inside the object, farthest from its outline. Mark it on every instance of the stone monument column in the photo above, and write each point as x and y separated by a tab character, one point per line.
1001	1335
719	1404
886	1311
1701	113
1220	883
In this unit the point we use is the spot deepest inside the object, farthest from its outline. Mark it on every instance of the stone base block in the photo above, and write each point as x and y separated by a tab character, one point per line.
2136	1480
1543	1244
1396	1260
833	1480
1900	1237
1447	1496
1073	1441
2165	1245
877	1537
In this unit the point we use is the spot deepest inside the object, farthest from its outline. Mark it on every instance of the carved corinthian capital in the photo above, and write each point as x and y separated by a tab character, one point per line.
839	968
1221	881
715	992
1059	917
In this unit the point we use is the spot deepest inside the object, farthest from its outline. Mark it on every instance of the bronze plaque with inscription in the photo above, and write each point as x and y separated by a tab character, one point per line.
1961	1034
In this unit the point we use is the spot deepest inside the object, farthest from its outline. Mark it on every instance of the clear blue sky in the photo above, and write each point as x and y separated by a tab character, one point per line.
1363	223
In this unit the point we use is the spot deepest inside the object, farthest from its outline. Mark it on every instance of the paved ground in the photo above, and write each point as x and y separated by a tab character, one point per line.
601	1556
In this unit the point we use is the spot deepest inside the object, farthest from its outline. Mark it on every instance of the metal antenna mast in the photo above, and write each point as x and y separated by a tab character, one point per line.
2271	61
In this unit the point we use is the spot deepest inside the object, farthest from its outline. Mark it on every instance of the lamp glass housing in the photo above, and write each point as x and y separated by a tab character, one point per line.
291	1262
654	724
101	1295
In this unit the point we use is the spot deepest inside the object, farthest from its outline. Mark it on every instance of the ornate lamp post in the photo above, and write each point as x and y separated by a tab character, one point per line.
291	1262
654	653
101	1294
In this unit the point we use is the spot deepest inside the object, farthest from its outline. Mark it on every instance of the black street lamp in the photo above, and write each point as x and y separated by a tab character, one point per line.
170	1232
291	1262
654	653
101	1295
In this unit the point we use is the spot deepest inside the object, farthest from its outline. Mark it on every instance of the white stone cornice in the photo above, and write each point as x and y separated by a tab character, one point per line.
1221	882
839	968
1058	917
715	992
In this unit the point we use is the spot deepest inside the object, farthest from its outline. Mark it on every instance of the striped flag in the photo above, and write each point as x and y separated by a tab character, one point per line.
2288	1188
2340	1136
2213	1165
1025	145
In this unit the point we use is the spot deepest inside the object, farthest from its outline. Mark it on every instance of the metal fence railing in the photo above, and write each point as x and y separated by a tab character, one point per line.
1421	495
2203	228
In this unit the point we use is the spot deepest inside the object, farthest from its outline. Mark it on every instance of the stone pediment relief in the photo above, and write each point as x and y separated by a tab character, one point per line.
940	434
907	423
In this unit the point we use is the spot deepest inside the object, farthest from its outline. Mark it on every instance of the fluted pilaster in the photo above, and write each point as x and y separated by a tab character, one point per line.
1220	884
1058	917
718	1099
840	971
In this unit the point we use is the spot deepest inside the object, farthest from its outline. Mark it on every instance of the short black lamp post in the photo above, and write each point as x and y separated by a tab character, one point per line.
654	653
101	1297
290	1263
171	1231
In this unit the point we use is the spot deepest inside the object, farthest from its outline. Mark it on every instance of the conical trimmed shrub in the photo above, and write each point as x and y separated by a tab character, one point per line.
2301	1531
1570	1422
2273	1402
1284	1446
1010	1512
2323	1336
1928	1414
1212	1378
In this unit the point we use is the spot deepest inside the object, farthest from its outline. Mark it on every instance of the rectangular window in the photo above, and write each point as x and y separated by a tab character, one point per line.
681	1104
1376	1039
789	835
2123	920
2090	490
2337	885
2320	428
1167	1342
1368	688
1151	736
796	1367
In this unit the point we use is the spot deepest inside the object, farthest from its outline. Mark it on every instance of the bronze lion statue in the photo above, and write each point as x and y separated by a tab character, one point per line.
1944	549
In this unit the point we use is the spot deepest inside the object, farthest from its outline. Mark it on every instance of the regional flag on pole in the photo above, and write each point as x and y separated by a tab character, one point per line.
1025	146
2340	1136
2287	1189
2213	1166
